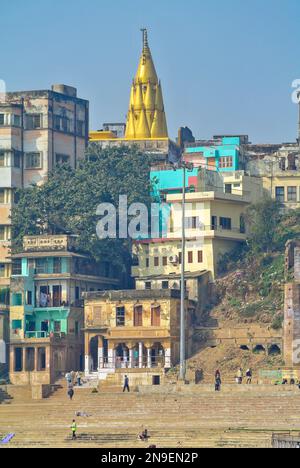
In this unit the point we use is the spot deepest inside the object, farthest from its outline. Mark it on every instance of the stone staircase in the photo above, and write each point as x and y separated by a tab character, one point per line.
187	416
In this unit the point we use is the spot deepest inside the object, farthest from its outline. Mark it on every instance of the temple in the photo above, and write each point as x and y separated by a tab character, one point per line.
146	123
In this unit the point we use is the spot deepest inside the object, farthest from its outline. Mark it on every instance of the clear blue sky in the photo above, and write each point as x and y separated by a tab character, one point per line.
226	65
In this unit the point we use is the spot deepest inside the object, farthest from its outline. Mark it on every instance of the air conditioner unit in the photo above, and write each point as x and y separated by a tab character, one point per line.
174	259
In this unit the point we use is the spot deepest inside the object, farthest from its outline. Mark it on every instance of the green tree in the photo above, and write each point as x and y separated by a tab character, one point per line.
262	221
67	202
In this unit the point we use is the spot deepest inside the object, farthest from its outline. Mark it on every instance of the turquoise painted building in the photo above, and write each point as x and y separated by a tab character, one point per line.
46	307
223	154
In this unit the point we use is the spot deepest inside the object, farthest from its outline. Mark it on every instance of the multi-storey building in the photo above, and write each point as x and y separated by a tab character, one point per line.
215	225
135	332
46	307
38	130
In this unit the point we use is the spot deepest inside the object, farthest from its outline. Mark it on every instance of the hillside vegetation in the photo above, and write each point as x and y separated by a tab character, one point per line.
250	287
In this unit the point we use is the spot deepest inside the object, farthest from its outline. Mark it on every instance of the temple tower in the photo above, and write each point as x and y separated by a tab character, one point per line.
146	115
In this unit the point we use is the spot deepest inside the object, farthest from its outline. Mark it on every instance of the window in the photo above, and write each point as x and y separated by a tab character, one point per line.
2	233
80	128
120	316
77	293
147	285
16	324
200	256
225	162
57	326
33	121
2	270
17	159
2	119
292	194
190	257
180	258
2	158
17	267
155	316
138	316
165	261
17	120
29	298
228	188
76	328
225	223
242	225
165	284
147	263
65	124
191	222
61	159
2	196
279	194
57	265
33	161
214	223
156	261
41	266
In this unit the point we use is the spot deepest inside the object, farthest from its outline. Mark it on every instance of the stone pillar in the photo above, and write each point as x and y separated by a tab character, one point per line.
149	358
12	359
140	355
168	358
87	364
24	359
130	358
100	353
111	358
36	362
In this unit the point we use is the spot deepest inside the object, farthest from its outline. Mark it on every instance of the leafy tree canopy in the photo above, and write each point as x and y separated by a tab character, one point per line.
67	202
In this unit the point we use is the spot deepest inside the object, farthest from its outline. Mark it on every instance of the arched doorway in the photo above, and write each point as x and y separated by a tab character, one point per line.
94	353
122	356
157	355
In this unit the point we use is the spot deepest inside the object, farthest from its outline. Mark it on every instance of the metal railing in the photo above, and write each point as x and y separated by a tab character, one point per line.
125	363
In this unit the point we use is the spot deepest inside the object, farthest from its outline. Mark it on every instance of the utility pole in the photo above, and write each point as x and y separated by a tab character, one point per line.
182	287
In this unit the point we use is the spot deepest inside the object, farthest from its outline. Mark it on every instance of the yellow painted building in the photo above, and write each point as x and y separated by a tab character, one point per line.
215	225
133	330
284	187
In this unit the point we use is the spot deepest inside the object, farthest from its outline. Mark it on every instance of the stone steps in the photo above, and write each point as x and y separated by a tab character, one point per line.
187	418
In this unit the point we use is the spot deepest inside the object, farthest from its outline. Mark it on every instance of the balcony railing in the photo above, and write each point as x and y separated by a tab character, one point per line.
44	334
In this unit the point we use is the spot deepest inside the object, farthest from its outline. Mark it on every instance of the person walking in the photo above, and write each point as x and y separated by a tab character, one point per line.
78	378
126	384
74	429
249	376
240	376
70	393
218	381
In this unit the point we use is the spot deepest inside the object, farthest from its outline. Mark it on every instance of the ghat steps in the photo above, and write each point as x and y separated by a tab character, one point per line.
195	417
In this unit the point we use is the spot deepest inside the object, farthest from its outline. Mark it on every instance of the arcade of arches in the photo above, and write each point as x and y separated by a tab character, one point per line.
112	354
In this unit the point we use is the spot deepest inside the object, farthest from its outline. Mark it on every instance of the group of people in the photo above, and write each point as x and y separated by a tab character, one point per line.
239	378
72	378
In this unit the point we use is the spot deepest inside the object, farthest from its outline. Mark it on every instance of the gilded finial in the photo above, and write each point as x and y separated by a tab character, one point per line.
145	38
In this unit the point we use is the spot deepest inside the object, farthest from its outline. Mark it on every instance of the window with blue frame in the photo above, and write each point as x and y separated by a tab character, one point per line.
16	299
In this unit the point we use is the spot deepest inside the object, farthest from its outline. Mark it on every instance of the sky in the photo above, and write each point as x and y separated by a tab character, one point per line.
226	66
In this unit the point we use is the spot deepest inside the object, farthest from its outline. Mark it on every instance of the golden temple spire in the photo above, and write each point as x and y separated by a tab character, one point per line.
142	130
146	100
